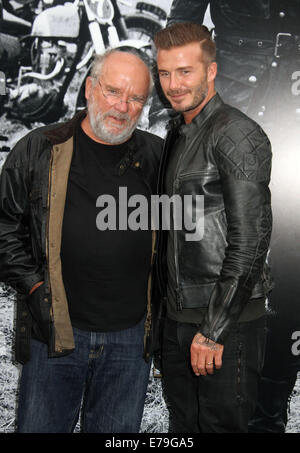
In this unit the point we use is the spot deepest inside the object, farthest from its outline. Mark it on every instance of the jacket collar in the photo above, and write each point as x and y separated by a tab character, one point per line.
214	103
64	131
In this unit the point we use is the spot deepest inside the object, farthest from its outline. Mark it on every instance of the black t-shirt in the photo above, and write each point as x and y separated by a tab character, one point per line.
105	272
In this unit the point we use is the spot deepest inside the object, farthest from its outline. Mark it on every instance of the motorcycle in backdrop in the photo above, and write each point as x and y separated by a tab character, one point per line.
14	24
56	52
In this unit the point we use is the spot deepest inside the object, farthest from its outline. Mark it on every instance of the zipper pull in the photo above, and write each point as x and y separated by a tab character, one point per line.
179	300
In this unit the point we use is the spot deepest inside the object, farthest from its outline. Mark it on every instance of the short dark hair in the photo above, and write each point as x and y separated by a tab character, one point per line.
183	33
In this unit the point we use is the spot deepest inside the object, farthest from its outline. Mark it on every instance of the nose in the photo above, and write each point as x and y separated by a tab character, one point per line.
121	106
173	82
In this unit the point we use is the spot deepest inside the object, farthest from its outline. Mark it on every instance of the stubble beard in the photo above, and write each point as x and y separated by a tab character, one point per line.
200	94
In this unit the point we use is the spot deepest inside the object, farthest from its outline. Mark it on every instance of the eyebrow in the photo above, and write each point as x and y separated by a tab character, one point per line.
140	97
180	68
111	87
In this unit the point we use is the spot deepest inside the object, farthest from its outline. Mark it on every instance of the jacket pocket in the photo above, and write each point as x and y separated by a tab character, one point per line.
197	296
39	308
36	214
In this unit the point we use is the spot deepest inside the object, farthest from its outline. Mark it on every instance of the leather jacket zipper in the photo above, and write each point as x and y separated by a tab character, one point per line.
179	298
186	148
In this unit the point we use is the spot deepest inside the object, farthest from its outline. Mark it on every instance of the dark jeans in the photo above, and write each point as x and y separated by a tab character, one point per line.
107	368
219	403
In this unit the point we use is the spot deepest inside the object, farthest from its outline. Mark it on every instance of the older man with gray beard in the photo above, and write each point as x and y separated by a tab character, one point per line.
84	296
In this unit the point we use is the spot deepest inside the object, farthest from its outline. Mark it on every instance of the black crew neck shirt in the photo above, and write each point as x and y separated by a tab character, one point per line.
105	273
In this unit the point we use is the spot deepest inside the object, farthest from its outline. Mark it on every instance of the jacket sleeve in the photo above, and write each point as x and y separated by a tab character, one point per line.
243	155
17	265
187	11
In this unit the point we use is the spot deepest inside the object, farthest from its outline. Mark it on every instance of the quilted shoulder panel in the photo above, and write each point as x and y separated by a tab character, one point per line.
242	148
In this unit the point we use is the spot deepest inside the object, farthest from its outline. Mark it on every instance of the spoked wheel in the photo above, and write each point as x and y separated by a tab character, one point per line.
143	30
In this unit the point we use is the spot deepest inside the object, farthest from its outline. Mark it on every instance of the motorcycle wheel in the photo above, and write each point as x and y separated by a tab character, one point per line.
143	29
140	28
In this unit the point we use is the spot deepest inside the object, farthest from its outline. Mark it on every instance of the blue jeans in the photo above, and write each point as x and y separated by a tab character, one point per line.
106	374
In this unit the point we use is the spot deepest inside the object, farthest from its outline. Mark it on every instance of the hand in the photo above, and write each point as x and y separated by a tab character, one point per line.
205	354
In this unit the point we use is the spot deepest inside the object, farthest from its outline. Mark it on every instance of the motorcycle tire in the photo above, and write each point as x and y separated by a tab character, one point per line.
143	29
143	25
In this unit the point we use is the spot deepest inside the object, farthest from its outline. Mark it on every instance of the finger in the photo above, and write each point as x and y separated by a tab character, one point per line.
198	359
194	361
198	364
209	365
218	359
201	362
201	366
195	367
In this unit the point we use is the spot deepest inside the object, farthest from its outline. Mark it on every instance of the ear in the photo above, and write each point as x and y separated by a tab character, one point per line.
88	87
212	71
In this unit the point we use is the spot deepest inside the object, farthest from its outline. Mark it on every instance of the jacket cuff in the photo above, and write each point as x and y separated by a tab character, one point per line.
227	302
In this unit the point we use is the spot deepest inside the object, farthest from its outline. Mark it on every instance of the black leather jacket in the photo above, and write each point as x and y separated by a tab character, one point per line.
227	159
33	186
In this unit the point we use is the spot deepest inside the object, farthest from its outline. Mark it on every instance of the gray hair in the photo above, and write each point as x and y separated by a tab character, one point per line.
99	60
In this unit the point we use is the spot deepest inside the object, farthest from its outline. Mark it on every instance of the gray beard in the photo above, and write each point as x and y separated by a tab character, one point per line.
103	133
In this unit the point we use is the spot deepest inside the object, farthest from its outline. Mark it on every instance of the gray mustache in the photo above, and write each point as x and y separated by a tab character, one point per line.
118	115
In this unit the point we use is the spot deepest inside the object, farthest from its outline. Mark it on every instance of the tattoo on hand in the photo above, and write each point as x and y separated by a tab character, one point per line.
201	340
